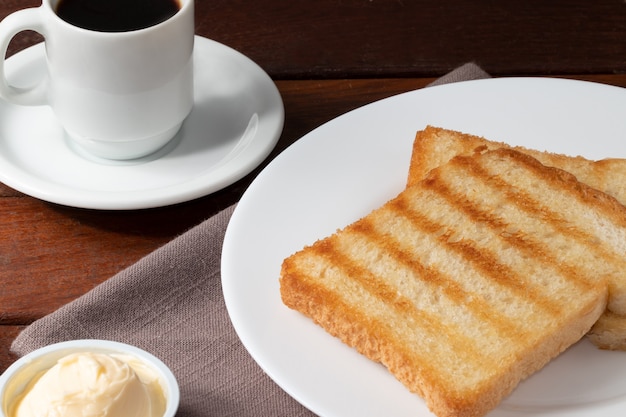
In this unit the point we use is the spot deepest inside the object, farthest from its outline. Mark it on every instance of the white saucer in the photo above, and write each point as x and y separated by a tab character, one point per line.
236	122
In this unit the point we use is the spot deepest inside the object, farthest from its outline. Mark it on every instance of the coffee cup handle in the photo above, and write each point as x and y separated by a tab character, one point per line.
26	19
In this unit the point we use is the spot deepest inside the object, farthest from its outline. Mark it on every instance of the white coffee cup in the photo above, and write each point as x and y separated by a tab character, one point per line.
118	95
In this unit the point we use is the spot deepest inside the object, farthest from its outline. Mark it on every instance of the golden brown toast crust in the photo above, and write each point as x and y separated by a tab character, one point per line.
430	284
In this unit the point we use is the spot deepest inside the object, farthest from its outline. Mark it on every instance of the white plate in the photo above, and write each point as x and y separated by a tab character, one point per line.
355	163
236	121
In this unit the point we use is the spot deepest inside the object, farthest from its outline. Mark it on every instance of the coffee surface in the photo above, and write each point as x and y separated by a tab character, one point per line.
116	15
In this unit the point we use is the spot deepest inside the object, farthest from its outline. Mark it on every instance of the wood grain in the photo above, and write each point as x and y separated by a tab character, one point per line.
326	39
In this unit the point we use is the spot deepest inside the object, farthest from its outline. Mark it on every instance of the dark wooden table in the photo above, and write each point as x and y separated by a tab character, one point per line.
327	57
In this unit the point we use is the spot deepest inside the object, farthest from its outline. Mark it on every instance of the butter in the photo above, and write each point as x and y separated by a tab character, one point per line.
89	384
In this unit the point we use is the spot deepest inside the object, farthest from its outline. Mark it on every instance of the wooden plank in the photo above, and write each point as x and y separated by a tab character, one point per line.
362	38
417	38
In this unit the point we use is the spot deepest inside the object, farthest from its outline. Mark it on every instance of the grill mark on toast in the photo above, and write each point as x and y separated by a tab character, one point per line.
593	201
533	165
521	199
539	252
465	348
430	248
294	281
482	260
478	307
525	202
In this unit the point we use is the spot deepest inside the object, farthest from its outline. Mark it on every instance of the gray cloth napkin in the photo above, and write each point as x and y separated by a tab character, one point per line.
170	303
466	72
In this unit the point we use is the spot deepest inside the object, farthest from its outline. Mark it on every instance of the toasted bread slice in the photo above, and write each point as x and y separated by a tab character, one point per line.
469	281
434	146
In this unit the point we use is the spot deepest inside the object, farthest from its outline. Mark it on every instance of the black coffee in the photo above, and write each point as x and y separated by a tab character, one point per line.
116	15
